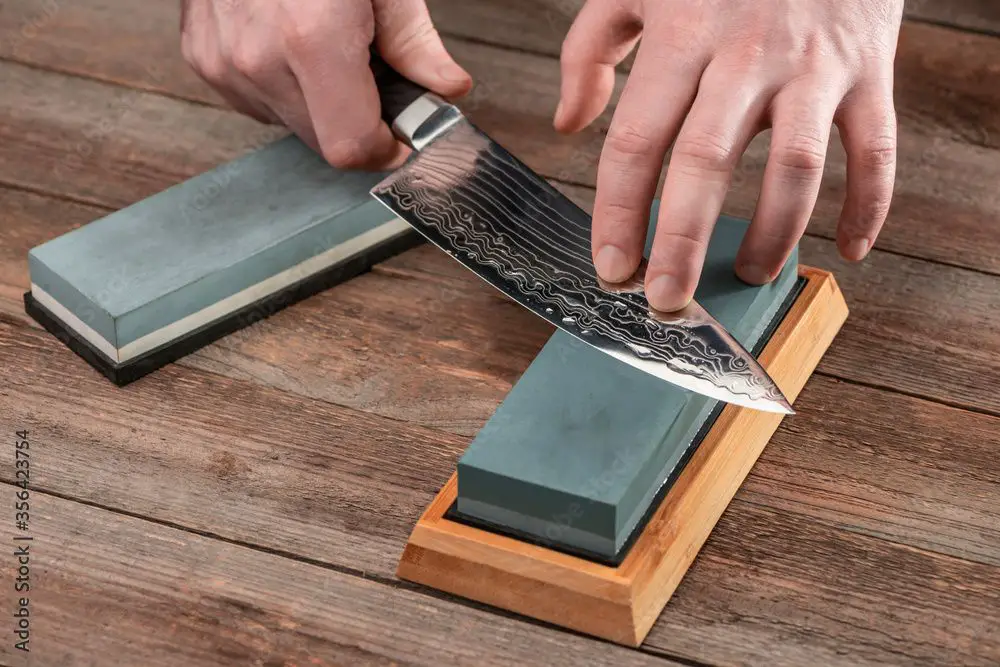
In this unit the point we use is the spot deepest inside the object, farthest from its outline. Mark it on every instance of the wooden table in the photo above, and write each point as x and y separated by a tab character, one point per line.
248	504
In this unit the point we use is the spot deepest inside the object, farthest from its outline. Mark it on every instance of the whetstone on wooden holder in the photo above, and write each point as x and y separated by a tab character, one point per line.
616	588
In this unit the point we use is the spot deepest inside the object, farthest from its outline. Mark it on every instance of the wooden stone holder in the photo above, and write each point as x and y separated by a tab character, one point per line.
621	603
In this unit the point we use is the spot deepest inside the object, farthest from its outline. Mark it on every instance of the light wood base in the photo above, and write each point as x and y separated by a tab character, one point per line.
622	603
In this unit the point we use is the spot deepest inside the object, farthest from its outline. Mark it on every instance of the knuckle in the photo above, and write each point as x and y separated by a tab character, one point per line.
412	38
706	150
249	59
878	153
617	219
686	240
629	139
213	69
782	237
346	154
873	211
300	35
803	152
576	49
308	28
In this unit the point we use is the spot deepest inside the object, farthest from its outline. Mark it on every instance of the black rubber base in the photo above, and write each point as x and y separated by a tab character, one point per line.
614	561
130	371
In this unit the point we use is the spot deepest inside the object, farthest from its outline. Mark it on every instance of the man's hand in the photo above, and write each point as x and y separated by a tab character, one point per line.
709	75
304	64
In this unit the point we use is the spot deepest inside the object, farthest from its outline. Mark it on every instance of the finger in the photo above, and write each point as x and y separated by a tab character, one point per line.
802	116
600	38
329	55
659	92
407	40
725	115
868	130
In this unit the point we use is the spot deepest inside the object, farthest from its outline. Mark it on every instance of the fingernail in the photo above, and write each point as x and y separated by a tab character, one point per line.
754	274
612	264
665	294
857	249
559	111
453	73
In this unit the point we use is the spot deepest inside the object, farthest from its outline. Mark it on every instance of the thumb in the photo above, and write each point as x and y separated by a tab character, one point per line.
407	40
601	36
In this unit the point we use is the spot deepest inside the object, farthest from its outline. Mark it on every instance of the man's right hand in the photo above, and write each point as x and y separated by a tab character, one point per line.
304	64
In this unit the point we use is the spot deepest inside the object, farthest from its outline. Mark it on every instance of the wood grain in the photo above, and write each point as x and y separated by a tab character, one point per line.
981	15
223	446
888	466
775	587
622	603
115	590
827	555
63	36
28	220
335	485
106	145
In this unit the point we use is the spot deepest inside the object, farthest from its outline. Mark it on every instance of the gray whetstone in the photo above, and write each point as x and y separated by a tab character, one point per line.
179	251
577	451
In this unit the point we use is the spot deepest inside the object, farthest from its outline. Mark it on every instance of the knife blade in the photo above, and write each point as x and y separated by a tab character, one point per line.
470	197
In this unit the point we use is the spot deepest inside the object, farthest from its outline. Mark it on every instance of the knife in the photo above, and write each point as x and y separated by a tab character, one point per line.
470	197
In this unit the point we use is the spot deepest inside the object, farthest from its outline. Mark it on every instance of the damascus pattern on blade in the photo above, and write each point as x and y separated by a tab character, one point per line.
478	203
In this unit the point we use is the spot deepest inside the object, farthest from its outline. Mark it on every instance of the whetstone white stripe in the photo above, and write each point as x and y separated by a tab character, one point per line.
73	322
224	307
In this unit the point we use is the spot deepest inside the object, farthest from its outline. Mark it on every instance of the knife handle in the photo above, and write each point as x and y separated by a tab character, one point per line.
395	91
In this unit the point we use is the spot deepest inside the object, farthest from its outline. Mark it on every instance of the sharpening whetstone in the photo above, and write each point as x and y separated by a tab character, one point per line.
159	279
578	451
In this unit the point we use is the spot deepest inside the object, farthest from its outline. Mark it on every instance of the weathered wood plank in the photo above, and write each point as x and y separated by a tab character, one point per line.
139	45
816	583
912	325
886	465
981	15
226	457
792	570
773	587
108	145
114	590
28	220
345	487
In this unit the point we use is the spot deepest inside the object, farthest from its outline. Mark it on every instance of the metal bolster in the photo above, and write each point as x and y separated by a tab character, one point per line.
427	118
